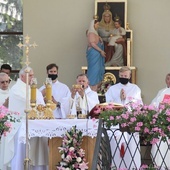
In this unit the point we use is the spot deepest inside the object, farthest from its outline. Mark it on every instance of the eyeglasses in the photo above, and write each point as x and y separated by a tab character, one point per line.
7	81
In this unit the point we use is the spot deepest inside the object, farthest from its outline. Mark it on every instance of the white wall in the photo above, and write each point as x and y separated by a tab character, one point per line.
149	20
58	27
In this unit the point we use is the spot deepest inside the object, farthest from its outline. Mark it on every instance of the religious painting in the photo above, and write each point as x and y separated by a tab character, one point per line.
117	8
114	31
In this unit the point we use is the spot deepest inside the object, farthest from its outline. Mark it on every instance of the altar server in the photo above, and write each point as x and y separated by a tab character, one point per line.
123	93
82	97
60	92
12	149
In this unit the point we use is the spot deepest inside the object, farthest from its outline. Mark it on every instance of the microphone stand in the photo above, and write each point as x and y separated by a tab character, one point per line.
87	106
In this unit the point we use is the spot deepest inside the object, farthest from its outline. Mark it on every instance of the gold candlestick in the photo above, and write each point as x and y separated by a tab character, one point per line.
33	90
48	112
48	90
33	112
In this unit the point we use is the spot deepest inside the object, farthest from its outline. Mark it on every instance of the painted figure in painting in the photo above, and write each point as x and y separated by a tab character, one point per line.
118	41
110	30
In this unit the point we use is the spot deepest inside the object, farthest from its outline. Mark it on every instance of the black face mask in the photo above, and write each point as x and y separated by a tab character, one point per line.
123	80
53	76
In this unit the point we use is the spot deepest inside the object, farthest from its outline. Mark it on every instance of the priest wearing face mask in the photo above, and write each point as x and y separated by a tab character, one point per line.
60	92
123	93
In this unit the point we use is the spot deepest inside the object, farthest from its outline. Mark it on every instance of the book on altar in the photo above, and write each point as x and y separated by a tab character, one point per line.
115	104
166	98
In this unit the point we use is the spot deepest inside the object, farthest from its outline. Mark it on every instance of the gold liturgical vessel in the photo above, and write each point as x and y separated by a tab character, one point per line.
78	113
33	112
50	106
40	111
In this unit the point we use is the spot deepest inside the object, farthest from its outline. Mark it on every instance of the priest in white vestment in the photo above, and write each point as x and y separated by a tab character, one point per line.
161	157
60	92
123	93
12	150
6	68
82	97
4	89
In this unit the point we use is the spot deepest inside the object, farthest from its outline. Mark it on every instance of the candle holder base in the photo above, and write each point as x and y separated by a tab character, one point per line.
48	112
82	116
70	116
32	114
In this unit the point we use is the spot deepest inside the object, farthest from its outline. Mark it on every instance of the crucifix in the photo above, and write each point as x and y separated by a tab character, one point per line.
27	45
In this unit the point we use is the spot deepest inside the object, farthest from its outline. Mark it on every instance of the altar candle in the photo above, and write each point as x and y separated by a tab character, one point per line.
33	92
48	92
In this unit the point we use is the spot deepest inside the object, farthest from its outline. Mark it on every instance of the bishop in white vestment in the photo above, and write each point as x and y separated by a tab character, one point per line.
12	150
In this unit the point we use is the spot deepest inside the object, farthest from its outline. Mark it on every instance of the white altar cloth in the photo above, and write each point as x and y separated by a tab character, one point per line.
57	128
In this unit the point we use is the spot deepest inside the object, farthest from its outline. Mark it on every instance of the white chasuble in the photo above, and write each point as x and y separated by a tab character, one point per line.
13	150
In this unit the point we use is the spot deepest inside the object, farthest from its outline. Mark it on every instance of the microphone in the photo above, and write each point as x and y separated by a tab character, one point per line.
87	106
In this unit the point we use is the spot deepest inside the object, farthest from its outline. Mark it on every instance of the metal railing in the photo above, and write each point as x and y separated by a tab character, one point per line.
102	151
115	150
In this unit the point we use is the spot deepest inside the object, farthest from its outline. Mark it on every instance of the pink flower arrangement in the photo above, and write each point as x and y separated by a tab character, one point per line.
6	119
73	156
153	124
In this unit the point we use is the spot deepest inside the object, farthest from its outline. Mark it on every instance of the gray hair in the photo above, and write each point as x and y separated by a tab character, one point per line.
24	70
3	74
81	75
167	75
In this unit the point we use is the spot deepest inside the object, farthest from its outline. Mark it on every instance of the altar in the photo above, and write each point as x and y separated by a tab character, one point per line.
55	129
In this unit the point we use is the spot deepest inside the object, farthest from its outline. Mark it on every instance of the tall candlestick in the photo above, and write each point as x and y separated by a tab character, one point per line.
33	90
48	90
33	93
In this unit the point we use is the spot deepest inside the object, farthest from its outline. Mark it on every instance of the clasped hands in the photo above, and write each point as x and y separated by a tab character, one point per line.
122	94
78	89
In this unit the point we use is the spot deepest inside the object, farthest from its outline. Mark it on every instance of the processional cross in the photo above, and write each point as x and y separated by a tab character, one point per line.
27	45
